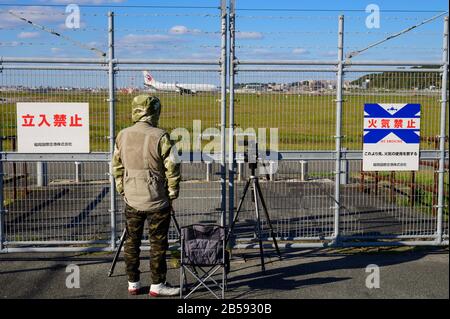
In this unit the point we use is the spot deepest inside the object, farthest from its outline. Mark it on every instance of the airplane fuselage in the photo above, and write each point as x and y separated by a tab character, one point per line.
182	87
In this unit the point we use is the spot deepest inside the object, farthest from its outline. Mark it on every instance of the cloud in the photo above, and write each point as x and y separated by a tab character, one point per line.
261	51
39	15
139	44
13	44
28	35
181	29
140	39
178	29
206	53
329	54
267	53
63	26
249	35
81	2
300	51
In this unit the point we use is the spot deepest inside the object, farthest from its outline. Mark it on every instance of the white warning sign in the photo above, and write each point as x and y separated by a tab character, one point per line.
53	127
391	137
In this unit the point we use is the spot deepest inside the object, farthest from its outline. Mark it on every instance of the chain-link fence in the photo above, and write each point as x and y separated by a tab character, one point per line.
308	105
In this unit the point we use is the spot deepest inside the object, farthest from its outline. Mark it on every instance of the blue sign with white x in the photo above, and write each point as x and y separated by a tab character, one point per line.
382	120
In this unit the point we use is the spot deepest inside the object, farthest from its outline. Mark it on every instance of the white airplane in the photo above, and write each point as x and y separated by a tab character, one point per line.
182	88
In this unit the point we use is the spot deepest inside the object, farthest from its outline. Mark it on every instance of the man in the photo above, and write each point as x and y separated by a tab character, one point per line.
147	175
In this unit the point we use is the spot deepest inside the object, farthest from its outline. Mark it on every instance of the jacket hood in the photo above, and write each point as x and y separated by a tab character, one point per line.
146	108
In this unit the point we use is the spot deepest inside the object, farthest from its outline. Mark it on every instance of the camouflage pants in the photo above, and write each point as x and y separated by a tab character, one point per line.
158	224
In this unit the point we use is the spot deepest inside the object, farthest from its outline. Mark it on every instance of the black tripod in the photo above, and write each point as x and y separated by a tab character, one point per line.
257	194
124	237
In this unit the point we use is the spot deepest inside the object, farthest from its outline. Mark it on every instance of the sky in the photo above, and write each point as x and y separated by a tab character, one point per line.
175	29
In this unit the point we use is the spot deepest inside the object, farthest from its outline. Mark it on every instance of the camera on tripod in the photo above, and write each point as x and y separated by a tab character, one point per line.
251	157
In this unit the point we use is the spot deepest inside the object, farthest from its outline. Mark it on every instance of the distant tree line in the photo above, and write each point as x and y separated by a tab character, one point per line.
401	80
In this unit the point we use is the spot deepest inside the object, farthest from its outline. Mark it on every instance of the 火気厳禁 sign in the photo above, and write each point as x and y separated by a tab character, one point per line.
53	127
391	137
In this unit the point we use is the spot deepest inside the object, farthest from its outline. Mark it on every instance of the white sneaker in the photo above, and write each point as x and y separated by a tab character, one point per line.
163	289
134	287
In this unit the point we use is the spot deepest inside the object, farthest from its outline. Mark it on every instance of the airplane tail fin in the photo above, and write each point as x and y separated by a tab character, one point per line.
148	78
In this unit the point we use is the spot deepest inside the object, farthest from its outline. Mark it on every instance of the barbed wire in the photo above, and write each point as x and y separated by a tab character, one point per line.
384	17
286	32
44	13
328	47
336	10
403	47
170	46
286	17
282	47
128	6
62	13
21	43
57	44
90	29
203	15
269	33
15	44
423	33
65	29
206	15
347	17
197	31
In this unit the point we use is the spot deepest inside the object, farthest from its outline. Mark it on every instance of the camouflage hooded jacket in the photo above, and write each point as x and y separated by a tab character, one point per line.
145	167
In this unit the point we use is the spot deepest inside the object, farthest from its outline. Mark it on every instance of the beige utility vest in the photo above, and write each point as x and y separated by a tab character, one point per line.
144	180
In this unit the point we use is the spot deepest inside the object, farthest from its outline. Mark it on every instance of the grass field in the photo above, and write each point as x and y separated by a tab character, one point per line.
304	122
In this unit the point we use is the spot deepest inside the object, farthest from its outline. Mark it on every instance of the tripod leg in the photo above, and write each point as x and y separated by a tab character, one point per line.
258	225
119	248
241	201
175	222
272	232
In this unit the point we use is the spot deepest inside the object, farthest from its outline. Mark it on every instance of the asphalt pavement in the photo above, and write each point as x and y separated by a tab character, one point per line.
405	272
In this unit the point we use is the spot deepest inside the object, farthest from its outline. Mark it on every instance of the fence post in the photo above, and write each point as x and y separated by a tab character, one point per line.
240	167
377	178
441	171
41	174
231	155
223	109
345	170
338	136
2	208
13	140
412	191
303	171
112	124
208	171
392	186
78	172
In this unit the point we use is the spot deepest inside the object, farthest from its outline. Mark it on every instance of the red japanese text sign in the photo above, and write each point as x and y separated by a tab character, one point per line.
53	127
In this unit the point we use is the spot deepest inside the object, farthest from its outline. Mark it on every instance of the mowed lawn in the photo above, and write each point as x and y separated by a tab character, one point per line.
304	122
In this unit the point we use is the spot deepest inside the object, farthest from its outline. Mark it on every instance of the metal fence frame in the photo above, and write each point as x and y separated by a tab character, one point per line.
229	65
